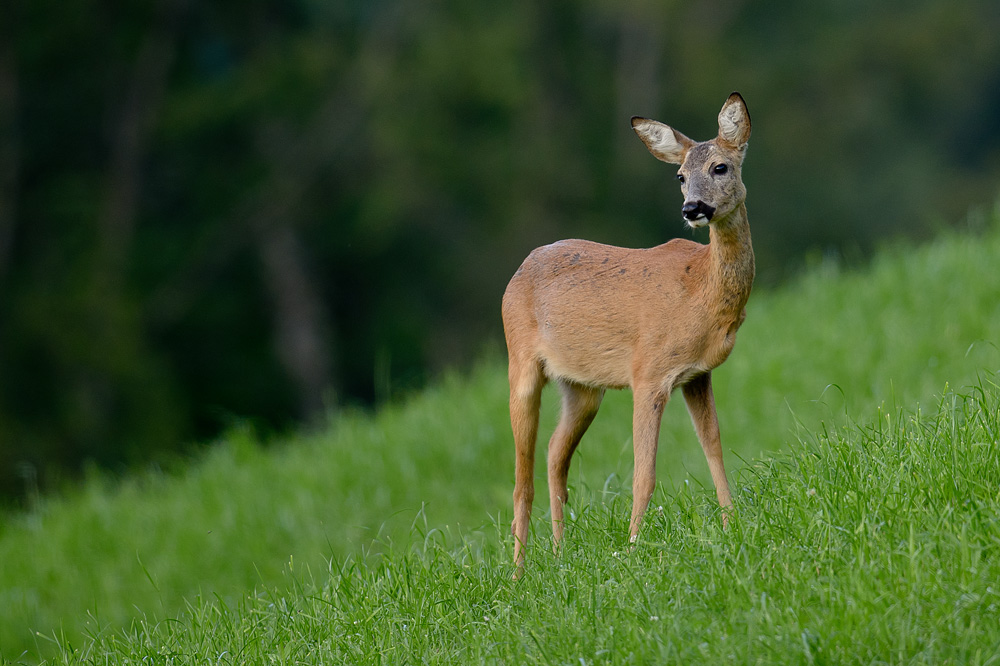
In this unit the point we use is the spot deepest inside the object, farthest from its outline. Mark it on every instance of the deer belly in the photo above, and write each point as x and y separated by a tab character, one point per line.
587	359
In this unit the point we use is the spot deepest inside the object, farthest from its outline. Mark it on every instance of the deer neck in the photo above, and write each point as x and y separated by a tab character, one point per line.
732	262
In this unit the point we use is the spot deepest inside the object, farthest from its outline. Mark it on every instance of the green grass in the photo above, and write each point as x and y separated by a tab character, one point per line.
878	541
874	544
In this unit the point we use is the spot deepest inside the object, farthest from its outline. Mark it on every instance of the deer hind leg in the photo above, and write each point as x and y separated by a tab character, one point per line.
526	382
647	412
579	406
701	405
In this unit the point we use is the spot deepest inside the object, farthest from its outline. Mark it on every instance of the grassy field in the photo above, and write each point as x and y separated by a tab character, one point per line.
874	545
867	527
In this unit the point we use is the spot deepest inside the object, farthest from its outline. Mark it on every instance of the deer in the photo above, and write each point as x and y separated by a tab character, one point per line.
591	317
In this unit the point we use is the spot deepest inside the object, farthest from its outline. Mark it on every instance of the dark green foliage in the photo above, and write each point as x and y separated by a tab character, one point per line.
267	210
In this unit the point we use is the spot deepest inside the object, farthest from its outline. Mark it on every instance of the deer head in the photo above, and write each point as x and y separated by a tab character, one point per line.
709	173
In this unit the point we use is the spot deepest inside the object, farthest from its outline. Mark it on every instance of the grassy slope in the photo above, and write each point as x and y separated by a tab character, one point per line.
866	545
896	333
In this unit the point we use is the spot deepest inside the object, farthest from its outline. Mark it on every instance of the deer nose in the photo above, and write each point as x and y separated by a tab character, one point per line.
692	210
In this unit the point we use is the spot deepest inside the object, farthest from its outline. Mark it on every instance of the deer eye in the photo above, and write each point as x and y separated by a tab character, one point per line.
680	178
720	169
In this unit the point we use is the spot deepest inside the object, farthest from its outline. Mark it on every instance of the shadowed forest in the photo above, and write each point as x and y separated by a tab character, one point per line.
271	210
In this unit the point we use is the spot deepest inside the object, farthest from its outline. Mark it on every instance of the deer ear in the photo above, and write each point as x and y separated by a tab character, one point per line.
734	122
663	141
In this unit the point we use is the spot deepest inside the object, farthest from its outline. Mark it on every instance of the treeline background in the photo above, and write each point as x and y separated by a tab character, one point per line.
221	210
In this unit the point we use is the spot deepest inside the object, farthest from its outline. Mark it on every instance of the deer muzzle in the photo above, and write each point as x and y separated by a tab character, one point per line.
695	211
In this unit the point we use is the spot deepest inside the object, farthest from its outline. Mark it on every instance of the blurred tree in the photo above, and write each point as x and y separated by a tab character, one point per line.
266	209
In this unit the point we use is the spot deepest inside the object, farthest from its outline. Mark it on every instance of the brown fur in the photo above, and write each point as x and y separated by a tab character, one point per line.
590	316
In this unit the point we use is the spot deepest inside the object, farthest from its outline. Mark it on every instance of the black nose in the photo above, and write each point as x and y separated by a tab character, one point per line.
693	210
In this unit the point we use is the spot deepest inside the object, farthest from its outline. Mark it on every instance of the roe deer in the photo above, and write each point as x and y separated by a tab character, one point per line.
593	316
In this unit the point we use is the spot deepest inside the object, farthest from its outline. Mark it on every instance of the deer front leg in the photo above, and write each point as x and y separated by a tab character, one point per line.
701	405
579	406
647	412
